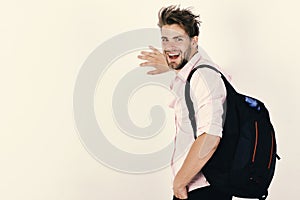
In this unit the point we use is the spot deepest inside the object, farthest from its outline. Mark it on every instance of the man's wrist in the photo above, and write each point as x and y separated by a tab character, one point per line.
179	183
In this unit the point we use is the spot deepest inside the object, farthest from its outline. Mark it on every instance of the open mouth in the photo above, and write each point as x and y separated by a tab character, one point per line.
173	56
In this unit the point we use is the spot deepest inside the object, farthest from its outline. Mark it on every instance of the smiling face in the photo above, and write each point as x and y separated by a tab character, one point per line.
177	46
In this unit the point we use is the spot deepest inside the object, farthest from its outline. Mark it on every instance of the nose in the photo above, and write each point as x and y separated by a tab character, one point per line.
169	45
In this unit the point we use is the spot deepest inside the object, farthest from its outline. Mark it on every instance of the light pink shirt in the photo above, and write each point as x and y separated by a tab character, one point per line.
208	94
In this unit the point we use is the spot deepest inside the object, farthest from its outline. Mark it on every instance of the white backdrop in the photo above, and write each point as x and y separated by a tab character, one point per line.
43	46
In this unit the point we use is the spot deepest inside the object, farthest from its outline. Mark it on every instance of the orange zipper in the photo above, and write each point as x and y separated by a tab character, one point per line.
271	153
256	139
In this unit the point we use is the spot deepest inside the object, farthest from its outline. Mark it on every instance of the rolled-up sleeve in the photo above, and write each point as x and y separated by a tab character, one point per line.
208	94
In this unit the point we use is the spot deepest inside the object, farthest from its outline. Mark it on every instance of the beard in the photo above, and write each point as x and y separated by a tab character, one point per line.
180	65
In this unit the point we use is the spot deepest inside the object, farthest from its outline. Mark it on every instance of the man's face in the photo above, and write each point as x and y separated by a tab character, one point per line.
177	46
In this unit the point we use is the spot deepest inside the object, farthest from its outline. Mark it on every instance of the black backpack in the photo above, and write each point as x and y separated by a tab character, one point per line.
244	163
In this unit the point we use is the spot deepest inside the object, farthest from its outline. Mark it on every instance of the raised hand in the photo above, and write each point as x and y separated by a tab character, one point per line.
156	59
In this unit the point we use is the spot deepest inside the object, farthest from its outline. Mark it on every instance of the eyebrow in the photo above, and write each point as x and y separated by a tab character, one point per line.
176	37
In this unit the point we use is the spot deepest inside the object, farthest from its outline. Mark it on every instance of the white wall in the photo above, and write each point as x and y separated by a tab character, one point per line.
43	46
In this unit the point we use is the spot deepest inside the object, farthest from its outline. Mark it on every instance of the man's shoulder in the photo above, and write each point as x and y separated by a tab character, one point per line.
205	72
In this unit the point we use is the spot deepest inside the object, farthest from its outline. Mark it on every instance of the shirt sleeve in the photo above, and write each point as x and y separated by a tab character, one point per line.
208	94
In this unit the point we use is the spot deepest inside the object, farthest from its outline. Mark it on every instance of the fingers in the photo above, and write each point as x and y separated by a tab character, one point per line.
182	196
147	64
146	57
142	57
180	192
148	53
154	50
154	58
154	72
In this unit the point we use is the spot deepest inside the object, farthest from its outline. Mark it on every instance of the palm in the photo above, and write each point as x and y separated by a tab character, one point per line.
154	59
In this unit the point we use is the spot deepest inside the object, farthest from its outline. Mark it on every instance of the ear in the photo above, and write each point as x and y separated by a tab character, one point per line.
195	41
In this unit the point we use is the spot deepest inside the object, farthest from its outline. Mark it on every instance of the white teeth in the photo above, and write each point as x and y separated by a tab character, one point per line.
173	54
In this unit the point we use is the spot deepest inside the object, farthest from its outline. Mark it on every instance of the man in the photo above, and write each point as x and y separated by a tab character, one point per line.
179	35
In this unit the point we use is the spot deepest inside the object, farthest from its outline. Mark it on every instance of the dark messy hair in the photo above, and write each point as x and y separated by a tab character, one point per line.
183	17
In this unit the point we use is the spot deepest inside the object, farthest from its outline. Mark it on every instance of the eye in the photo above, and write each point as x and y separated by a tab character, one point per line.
164	39
179	39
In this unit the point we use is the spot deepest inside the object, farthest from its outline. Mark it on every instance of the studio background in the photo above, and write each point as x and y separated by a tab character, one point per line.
45	43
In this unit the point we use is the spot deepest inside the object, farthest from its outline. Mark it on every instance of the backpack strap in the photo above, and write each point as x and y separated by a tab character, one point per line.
188	99
189	102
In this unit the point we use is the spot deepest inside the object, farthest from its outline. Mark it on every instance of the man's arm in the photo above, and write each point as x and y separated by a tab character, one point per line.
201	151
154	59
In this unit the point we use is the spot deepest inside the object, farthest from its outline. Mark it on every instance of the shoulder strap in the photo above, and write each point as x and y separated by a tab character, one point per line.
188	99
189	102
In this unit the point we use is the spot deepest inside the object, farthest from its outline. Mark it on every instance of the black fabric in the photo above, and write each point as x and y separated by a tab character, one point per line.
207	193
244	162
